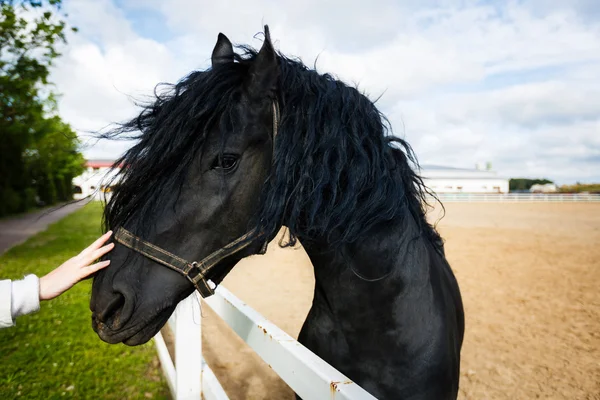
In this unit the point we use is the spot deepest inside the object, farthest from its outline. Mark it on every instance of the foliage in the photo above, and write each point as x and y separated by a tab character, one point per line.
55	353
581	187
38	151
524	183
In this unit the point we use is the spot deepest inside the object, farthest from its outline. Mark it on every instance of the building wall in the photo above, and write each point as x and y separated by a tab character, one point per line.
546	188
461	180
93	182
95	179
470	185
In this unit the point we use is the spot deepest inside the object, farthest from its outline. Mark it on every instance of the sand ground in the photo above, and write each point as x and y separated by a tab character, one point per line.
530	280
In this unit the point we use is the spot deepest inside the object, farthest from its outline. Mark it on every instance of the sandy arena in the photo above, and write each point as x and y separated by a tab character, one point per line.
529	276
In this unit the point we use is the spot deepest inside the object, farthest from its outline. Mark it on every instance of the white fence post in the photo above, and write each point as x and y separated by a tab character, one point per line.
188	349
185	377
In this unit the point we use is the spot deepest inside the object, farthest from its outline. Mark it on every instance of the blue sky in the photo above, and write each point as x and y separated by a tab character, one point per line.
515	83
146	21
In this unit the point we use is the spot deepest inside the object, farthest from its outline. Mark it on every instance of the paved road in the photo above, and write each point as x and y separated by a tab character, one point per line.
15	230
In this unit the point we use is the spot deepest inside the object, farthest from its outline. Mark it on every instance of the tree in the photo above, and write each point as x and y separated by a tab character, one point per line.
55	161
30	33
581	187
519	184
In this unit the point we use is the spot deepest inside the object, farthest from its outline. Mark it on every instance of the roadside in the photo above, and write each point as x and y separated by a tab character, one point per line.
15	230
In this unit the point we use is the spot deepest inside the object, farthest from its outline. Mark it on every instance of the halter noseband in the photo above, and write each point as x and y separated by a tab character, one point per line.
195	271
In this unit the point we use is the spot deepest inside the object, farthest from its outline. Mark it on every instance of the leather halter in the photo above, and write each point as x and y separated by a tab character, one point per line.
195	271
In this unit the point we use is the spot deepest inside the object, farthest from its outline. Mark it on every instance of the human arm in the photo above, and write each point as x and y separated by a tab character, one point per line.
23	296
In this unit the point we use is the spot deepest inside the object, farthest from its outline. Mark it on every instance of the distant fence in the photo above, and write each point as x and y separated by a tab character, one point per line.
189	377
517	197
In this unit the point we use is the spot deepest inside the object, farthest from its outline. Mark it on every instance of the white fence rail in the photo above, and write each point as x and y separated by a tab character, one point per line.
191	378
517	197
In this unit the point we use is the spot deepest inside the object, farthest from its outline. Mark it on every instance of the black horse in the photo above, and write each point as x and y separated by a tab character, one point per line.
228	156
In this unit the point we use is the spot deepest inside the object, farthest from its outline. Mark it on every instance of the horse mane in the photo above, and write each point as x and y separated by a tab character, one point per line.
337	170
170	132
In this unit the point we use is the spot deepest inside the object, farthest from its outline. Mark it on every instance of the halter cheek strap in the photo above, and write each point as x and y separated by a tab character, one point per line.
195	271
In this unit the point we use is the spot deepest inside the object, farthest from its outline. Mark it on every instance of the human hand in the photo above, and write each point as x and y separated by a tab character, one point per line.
72	271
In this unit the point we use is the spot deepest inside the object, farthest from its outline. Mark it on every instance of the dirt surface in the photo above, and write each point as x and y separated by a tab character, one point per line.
529	276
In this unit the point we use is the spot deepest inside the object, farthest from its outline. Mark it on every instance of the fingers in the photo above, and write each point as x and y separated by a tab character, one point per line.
96	267
97	243
100	252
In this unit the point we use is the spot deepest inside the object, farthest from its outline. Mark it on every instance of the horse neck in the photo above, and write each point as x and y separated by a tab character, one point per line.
377	267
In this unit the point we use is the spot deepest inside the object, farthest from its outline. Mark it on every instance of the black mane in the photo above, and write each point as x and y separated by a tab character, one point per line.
170	132
337	170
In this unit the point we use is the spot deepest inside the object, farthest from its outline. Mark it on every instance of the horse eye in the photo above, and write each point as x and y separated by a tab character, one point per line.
225	162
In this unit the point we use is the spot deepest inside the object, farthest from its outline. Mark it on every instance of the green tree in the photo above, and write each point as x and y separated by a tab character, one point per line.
581	187
525	184
30	33
55	161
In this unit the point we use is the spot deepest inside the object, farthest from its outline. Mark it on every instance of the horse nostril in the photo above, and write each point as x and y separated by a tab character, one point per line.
111	314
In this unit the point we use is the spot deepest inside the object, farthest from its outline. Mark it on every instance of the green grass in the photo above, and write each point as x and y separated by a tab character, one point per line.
55	353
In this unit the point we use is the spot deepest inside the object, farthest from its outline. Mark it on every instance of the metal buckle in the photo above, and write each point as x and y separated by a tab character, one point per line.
195	273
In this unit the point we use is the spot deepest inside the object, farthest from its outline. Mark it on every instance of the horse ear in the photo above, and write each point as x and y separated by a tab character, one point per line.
264	71
223	51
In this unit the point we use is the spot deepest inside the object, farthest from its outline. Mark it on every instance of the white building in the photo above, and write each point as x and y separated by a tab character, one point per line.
463	180
546	188
95	180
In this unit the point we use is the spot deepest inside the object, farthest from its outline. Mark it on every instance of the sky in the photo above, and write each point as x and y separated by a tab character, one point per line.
514	83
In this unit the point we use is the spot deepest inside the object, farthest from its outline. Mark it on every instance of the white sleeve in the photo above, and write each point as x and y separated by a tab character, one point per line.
5	301
25	298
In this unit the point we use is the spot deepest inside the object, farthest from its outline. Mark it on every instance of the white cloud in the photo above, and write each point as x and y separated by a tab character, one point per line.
514	83
102	68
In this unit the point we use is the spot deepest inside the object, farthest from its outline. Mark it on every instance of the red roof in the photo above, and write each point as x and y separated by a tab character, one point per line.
99	163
